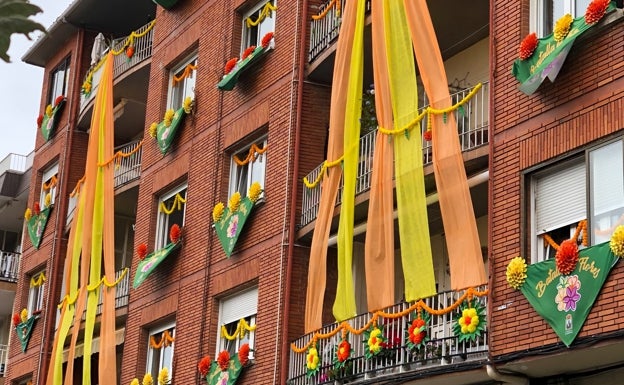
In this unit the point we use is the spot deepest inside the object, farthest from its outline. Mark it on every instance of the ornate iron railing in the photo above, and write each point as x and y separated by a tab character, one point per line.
9	266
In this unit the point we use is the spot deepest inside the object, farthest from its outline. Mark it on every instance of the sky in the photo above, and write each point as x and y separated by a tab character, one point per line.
21	86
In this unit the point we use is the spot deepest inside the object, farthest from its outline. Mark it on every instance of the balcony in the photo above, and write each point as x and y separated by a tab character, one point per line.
12	168
442	352
472	129
9	265
121	292
4	359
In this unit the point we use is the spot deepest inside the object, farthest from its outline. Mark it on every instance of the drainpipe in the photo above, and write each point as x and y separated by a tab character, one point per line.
57	260
293	203
506	378
490	221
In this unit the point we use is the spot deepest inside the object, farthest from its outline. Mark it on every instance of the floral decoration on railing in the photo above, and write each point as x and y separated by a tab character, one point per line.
166	339
564	290
328	7
23	323
163	378
241	330
426	112
470	323
48	121
225	370
234	67
126	48
416	332
37	219
148	263
229	221
71	299
165	131
267	11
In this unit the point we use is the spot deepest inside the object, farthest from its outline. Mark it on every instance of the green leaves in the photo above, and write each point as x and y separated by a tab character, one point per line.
14	18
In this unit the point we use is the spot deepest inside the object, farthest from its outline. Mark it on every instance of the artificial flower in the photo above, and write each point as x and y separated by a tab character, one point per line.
243	354
204	366
86	87
217	212
24	315
417	331
47	200
16	319
224	360
37	208
266	39
427	135
130	51
562	27
169	117
617	241
174	233
135	381
469	320
163	376
374	342
27	214
39	121
528	46
342	354
229	65
248	51
49	110
567	256
234	202
187	105
58	100
147	379
596	10
516	272
254	192
153	130
312	361
142	251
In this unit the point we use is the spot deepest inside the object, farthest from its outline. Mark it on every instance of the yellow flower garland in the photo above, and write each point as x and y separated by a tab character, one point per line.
177	203
37	280
241	329
251	155
266	11
69	300
165	340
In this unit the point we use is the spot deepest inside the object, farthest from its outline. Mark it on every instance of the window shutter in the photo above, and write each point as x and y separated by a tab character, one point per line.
560	198
607	173
239	306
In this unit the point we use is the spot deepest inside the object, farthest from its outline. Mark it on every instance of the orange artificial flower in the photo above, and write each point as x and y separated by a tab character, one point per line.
248	52
528	46
204	366
567	256
142	251
266	39
595	11
229	65
174	233
243	354
224	360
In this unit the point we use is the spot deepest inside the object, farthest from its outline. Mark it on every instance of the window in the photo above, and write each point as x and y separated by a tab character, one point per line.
160	349
590	185
265	19
246	167
171	208
59	81
232	310
35	293
182	82
544	13
49	181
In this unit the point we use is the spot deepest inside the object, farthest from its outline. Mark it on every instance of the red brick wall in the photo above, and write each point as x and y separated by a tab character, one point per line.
582	106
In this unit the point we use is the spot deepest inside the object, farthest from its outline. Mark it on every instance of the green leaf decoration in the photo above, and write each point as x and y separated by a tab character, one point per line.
461	110
153	259
49	123
444	117
36	226
231	225
14	18
24	330
166	134
470	322
407	134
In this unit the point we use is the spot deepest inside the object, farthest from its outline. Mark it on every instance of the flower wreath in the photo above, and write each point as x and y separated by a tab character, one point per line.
343	353
313	361
470	323
373	341
416	334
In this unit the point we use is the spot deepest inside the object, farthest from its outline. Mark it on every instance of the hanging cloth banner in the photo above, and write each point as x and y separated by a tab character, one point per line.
36	226
24	330
49	122
230	226
565	301
165	134
146	266
548	57
229	376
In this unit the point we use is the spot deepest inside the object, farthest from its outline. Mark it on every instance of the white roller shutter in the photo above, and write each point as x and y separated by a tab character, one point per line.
239	306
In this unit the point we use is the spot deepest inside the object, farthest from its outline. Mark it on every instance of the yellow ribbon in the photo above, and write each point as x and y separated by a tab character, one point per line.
70	300
266	11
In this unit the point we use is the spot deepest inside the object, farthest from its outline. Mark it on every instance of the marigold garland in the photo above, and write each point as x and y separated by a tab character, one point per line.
37	280
562	27
50	183
188	72
326	10
68	300
204	366
166	339
254	151
234	202
267	10
516	272
241	329
617	242
567	256
528	46
177	203
596	10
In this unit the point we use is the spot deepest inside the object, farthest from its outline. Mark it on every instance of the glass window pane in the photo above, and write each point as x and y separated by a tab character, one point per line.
606	190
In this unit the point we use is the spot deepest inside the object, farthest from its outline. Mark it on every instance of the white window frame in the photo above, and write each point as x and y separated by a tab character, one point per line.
151	352
185	87
45	178
35	295
231	310
253	36
257	167
538	17
163	224
58	84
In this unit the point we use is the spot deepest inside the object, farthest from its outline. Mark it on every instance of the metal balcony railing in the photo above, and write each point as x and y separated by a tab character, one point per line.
443	348
142	51
16	163
9	266
472	129
4	358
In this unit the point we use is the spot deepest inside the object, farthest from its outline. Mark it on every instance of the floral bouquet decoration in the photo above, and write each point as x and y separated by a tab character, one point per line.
250	55
23	323
149	262
226	369
48	121
37	218
165	131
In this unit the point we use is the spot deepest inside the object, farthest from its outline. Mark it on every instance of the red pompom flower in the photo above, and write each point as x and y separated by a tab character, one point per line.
229	65
130	51
567	256
427	135
142	251
596	10
528	46
16	319
58	100
248	52
415	334
224	360
204	366
266	39
174	233
243	354
344	351
39	121
37	208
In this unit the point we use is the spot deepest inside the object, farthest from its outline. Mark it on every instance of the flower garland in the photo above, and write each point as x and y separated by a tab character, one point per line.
266	12
188	72
254	151
617	241
470	323
516	272
177	203
241	329
581	230
51	183
166	339
38	280
327	8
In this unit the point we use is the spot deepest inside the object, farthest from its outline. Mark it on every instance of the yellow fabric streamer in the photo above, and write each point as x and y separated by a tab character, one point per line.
266	12
241	329
329	6
177	204
38	280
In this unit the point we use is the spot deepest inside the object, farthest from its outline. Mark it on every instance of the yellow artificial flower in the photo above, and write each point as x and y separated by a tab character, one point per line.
135	381
163	376
169	117
153	129
47	200
254	192
27	214
147	379
217	212
469	320
234	202
617	241
312	360
24	315
516	272
562	27
187	105
375	340
49	110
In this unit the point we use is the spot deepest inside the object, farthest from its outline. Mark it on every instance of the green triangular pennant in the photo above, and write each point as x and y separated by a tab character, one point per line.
229	81
150	262
231	224
24	330
36	226
49	123
565	301
216	376
165	135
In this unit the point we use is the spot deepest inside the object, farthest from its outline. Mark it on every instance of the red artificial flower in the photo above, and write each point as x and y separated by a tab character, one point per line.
204	366
37	208
596	10
16	319
39	121
58	100
142	251
344	351
224	360
567	256
527	47
229	65
243	354
427	135
174	233
248	52
415	336
266	39
130	51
